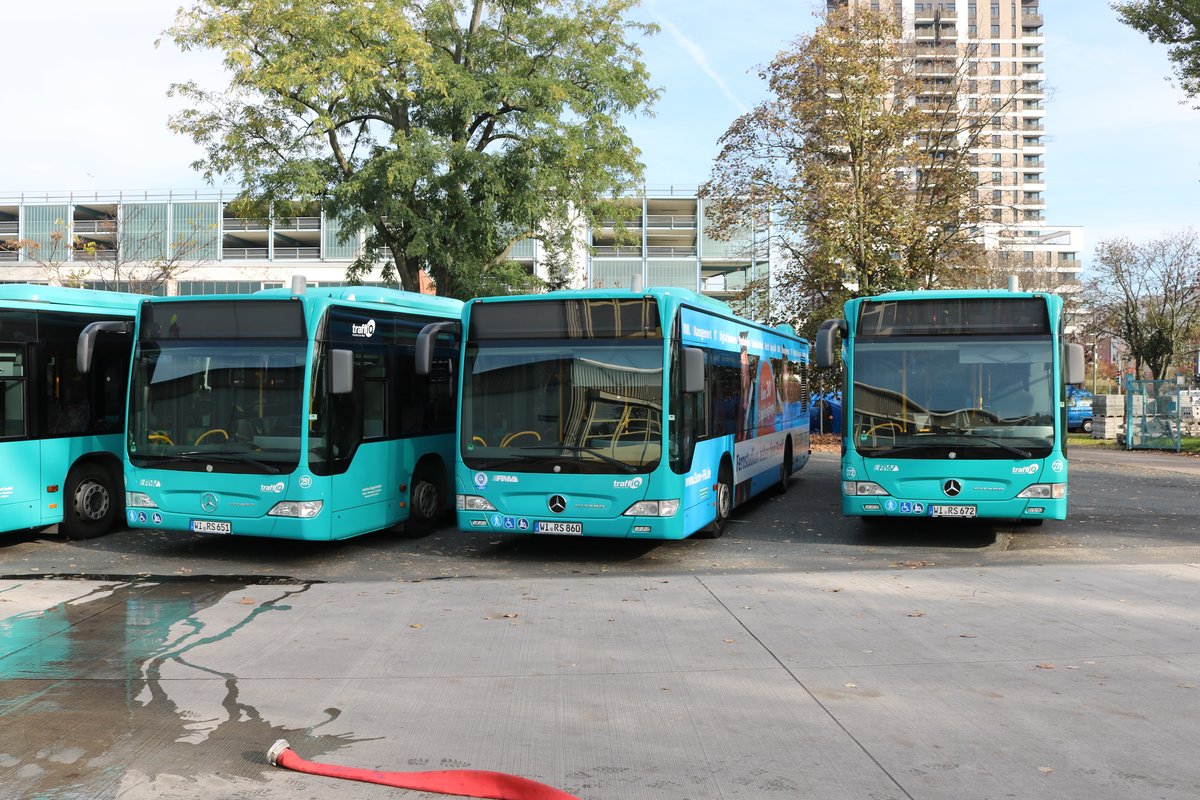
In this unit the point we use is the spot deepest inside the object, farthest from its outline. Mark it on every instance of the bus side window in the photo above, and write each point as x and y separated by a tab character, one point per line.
66	396
370	369
12	391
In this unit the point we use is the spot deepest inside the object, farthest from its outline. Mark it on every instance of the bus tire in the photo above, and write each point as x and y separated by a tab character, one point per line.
90	501
785	471
724	500
424	500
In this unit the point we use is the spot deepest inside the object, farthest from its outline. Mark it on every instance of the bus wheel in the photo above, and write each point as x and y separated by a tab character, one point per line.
724	505
785	471
89	502
424	501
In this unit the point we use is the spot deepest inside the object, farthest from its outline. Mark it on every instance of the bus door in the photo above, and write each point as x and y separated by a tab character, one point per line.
20	455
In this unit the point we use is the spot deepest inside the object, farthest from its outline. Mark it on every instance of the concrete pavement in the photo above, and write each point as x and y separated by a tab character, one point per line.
1023	681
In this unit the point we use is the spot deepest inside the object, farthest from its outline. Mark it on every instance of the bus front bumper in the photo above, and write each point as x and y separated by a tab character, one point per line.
265	526
942	508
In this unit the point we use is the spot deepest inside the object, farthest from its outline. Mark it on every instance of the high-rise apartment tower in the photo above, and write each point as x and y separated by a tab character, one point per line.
997	46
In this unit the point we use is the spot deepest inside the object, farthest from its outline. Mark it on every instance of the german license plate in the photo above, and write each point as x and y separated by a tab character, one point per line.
952	511
211	526
572	528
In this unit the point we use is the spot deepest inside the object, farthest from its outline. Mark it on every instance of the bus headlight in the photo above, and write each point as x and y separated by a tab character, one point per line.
303	509
473	502
653	508
863	489
1044	491
139	500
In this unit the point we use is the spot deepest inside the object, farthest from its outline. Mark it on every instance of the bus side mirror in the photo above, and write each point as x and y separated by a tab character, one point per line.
823	350
693	370
426	340
1073	366
86	344
341	371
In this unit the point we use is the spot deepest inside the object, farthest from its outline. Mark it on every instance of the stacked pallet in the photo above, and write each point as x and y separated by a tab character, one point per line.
1108	415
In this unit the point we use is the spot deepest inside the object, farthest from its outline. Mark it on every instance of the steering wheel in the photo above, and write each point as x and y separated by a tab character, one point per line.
884	430
159	437
206	434
508	439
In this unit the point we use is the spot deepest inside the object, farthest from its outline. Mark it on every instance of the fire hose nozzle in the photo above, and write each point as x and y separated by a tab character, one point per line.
276	751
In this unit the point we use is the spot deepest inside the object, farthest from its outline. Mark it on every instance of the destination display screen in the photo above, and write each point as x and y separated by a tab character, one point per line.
222	319
974	316
577	318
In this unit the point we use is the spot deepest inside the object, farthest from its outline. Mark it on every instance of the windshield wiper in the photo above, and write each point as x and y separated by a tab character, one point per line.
963	432
576	449
966	433
895	451
225	458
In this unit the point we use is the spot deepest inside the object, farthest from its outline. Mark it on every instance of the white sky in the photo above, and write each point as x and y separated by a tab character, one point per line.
86	105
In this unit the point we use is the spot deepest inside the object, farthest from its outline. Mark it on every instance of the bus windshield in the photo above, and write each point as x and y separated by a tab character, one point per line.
232	404
977	397
545	405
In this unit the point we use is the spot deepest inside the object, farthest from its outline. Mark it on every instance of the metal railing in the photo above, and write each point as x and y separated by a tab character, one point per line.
8	227
670	220
618	252
296	253
237	224
10	255
94	226
243	253
298	224
670	252
94	255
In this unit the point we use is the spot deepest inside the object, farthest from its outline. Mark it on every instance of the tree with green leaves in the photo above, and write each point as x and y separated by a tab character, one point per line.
447	130
1175	23
1148	295
862	162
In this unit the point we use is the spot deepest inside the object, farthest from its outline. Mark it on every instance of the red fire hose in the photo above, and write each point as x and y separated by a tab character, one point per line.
462	782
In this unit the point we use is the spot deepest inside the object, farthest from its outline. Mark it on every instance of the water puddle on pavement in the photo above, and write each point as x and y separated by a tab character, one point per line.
123	683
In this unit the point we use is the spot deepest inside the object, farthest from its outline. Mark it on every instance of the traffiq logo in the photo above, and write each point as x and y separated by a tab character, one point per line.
364	331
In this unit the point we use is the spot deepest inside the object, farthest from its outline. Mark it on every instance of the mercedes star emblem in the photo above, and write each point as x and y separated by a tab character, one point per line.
208	501
951	488
558	504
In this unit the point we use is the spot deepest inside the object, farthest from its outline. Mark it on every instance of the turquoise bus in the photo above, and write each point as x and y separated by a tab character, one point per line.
60	430
954	404
291	413
648	414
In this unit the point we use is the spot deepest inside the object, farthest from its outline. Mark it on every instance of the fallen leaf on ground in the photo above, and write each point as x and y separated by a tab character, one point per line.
1045	666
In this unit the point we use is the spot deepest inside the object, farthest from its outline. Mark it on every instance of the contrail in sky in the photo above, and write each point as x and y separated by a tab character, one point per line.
697	54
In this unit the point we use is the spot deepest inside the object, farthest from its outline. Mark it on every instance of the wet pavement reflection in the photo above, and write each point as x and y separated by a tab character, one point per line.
105	688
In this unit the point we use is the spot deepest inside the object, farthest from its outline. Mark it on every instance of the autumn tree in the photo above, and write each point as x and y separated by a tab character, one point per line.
1148	295
445	129
862	161
1175	23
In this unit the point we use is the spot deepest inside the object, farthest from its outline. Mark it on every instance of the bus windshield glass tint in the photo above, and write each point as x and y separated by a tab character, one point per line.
553	405
236	404
980	397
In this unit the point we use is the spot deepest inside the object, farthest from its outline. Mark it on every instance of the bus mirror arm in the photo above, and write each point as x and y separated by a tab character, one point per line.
425	342
1073	364
86	345
823	351
341	371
